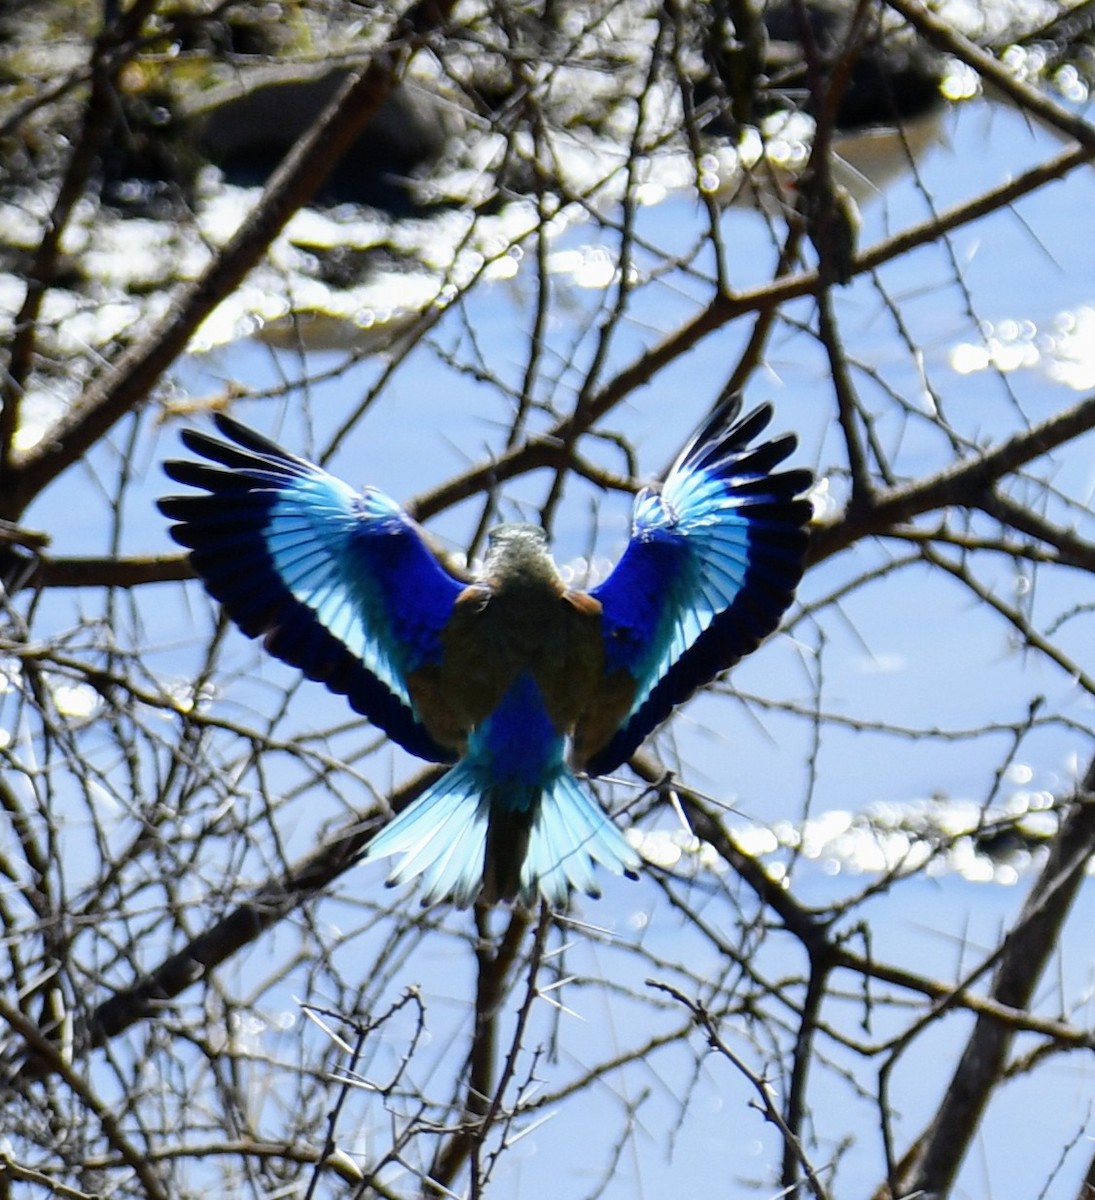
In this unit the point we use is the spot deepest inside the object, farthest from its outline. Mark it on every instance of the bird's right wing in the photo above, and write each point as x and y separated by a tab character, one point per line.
714	558
340	583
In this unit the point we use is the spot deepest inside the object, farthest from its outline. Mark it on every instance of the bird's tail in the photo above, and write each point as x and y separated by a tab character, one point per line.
468	833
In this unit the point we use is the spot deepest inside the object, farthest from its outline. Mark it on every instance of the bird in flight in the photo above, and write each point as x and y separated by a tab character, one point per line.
517	680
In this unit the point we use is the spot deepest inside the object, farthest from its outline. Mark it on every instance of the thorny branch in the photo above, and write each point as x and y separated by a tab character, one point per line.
768	1105
1022	959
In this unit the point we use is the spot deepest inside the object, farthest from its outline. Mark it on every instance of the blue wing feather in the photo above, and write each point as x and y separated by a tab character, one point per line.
340	583
714	558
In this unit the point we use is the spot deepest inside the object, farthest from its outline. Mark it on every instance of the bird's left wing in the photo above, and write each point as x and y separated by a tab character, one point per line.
714	558
339	582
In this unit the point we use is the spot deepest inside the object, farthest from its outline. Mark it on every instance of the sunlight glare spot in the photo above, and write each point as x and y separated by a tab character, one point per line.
649	194
1020	773
40	411
1041	802
961	82
1072	87
883	663
589	266
1065	350
660	850
576	572
1071	351
758	841
777	873
825	504
967	358
502	268
708	183
77	700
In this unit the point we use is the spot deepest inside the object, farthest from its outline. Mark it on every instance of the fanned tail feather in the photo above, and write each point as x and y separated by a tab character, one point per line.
443	838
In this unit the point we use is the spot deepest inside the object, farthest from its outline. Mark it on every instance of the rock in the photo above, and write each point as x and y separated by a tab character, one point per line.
249	133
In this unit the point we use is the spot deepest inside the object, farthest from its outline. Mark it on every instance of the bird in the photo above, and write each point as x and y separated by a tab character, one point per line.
518	682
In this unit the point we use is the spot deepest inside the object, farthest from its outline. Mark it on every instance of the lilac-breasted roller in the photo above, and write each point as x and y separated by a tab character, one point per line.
513	677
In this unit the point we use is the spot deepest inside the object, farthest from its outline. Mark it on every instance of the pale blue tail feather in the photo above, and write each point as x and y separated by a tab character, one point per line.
442	837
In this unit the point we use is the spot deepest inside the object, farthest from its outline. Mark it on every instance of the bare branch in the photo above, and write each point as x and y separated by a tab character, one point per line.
1024	953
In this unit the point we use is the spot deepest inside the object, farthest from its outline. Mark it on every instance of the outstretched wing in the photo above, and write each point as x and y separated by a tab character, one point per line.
339	582
714	558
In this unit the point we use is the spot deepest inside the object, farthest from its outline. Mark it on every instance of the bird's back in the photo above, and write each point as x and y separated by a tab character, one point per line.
509	628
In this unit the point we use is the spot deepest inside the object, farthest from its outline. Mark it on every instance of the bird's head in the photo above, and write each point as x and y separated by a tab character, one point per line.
517	553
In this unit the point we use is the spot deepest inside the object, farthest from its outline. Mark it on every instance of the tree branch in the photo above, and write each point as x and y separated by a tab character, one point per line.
1025	952
968	483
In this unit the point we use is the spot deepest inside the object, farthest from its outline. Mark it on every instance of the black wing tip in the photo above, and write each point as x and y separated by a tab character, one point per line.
230	426
726	412
754	467
175	508
237	444
205	444
249	439
741	428
726	435
799	480
193	474
176	468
